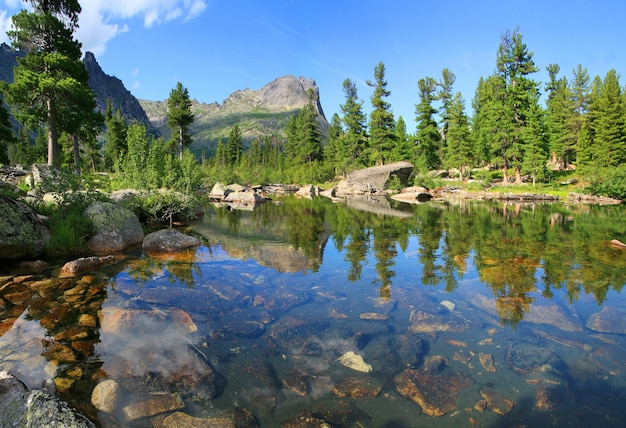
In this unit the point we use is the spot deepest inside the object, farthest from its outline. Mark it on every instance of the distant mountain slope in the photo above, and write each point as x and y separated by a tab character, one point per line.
109	87
104	86
258	113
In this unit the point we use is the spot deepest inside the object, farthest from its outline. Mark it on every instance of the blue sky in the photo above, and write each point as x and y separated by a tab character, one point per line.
215	47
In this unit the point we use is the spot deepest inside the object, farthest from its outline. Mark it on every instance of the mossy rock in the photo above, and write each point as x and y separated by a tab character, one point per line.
116	228
22	233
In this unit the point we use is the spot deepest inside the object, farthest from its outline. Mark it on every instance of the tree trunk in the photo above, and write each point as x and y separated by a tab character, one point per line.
76	154
180	143
505	178
518	176
53	146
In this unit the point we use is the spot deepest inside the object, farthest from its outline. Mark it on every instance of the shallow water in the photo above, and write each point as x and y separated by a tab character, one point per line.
483	313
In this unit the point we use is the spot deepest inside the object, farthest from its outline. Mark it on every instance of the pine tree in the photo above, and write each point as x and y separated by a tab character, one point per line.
427	137
403	149
382	124
234	146
514	64
610	126
116	136
333	153
445	95
355	122
459	150
50	82
179	117
560	120
580	94
6	134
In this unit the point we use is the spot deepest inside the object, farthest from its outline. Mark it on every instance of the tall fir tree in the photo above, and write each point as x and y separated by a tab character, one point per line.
427	137
382	137
444	95
403	149
179	117
6	134
514	66
610	125
115	136
459	150
580	94
560	119
355	122
50	82
234	146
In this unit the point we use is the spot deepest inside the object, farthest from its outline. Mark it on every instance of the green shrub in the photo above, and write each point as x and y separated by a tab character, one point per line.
609	182
69	230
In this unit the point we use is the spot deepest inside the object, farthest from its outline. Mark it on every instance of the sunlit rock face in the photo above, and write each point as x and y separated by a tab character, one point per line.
374	179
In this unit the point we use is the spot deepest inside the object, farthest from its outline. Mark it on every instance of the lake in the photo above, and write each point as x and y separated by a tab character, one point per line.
369	313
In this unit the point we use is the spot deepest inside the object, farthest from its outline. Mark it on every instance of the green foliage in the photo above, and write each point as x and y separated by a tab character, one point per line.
50	82
382	124
165	206
179	117
609	182
427	137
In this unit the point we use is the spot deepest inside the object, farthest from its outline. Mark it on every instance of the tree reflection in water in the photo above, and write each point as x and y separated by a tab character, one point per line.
517	249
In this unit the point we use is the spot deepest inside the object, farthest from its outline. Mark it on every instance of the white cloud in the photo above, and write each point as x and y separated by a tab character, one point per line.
5	25
102	20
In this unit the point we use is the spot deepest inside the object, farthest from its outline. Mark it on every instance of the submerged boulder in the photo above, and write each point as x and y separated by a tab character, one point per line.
117	228
21	232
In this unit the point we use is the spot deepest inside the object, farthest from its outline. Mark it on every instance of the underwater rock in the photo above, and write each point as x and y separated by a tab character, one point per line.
105	395
238	419
341	414
156	404
486	360
424	322
435	393
279	299
547	397
289	330
496	402
526	357
373	316
355	362
305	422
257	384
554	315
86	264
357	388
609	320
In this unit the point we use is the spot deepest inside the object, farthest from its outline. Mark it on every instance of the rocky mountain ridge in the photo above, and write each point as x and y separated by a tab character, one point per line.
259	113
104	86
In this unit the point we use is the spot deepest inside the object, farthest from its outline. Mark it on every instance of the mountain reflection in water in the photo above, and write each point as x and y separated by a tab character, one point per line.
373	313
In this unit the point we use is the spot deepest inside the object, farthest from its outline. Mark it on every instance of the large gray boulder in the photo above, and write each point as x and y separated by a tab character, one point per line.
374	179
168	241
22	233
116	228
22	408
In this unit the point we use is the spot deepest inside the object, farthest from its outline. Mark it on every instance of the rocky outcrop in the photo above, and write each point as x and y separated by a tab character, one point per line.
22	408
22	233
168	241
260	113
107	87
116	228
103	86
374	179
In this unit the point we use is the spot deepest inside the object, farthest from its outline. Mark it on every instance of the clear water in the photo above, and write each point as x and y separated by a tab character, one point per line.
504	302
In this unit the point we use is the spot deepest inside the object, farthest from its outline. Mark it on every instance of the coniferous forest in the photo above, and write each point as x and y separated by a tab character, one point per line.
514	130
